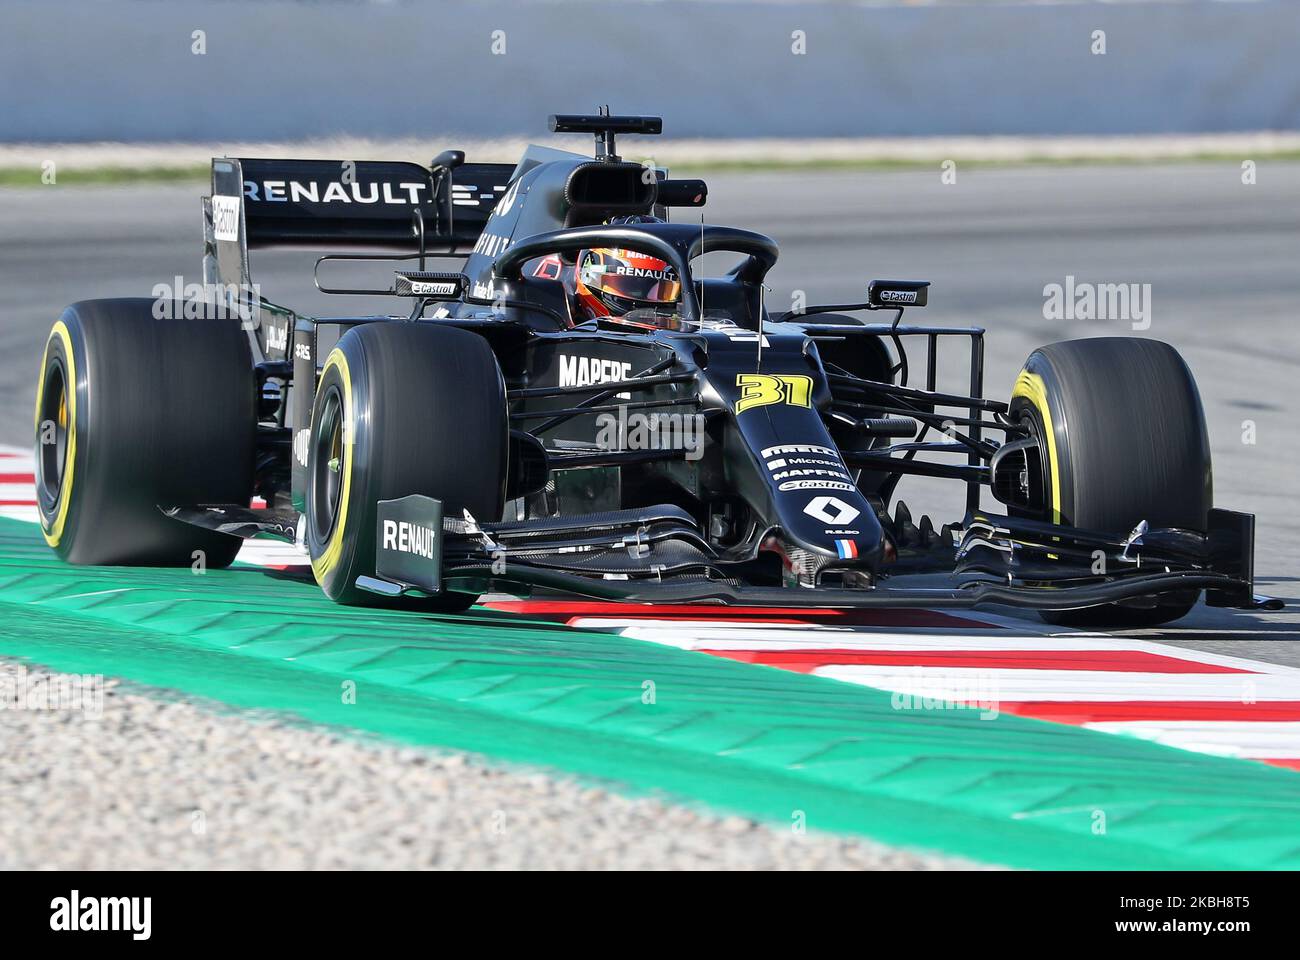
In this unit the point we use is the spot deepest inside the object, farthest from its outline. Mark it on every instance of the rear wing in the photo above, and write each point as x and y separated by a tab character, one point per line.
343	205
379	206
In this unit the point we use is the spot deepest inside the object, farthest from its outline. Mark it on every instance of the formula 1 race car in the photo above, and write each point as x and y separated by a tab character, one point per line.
571	409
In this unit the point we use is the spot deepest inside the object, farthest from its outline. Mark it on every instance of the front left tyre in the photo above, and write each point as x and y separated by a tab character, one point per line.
401	409
134	412
1123	439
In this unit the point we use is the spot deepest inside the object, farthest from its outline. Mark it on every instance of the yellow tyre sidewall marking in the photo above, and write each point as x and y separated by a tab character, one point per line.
53	530
323	565
1031	387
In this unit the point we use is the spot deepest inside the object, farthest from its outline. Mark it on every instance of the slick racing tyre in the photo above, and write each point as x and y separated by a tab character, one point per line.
402	408
1123	436
133	413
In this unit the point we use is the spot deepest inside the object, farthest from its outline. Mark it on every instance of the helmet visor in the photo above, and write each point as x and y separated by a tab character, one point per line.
632	277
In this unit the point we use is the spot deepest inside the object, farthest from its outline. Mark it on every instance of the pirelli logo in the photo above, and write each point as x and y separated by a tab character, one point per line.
762	389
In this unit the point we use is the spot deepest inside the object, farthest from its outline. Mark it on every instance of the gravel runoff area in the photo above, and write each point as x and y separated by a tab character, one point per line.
148	782
674	152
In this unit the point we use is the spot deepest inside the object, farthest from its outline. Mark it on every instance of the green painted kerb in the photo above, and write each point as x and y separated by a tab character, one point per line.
745	738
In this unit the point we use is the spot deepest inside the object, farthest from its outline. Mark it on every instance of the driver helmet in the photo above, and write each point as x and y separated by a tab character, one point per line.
614	282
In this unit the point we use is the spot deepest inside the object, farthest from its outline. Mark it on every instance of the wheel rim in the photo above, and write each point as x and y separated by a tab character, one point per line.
327	465
1029	419
52	436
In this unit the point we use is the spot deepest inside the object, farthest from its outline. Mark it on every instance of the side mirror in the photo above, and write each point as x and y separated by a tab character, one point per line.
448	159
429	285
683	193
896	294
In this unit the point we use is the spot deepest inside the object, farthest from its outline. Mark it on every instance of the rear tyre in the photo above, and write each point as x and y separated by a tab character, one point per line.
1123	435
401	409
134	412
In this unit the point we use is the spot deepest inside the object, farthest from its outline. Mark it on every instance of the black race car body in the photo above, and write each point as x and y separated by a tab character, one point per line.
712	451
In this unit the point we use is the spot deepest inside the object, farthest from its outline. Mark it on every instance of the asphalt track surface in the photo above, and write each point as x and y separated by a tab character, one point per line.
1220	257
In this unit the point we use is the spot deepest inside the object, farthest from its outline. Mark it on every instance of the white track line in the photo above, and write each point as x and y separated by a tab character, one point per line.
693	636
698	634
1067	686
1263	740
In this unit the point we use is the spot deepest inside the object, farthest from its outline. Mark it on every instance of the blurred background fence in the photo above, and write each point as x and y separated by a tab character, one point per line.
79	70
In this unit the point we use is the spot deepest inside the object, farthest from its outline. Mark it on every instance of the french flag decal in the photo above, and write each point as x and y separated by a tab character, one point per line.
847	549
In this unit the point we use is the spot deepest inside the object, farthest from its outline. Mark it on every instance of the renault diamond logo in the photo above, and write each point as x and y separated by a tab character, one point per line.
831	510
